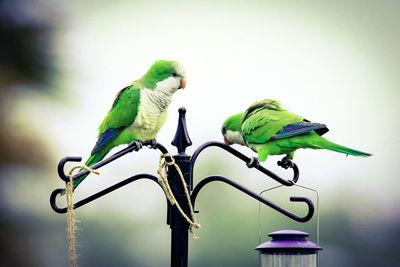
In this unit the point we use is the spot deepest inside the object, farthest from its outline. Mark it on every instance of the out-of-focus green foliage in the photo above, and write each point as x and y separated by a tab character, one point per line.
25	64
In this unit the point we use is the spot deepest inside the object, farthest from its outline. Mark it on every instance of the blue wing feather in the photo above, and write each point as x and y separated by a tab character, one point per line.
298	128
104	139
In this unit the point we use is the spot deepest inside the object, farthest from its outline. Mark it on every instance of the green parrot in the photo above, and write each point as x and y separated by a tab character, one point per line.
268	129
138	111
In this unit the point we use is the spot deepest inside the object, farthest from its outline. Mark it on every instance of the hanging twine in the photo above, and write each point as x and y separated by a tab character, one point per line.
163	181
70	211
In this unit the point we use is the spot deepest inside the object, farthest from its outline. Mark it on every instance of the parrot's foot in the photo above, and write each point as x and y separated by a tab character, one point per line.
152	143
286	163
253	162
138	145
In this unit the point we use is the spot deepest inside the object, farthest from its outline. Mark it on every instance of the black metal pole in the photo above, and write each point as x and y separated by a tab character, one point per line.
178	224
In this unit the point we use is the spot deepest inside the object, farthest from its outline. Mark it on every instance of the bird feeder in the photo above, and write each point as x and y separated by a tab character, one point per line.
288	248
178	224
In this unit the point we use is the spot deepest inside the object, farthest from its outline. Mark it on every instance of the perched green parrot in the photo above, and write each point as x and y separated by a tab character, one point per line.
268	129
139	110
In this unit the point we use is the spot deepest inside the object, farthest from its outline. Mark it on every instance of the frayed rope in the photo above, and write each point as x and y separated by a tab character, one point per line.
163	181
70	212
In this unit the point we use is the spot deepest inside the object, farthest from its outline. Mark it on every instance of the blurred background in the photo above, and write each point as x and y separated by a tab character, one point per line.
334	62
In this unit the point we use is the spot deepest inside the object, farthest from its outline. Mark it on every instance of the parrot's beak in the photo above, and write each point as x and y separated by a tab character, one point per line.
183	83
227	142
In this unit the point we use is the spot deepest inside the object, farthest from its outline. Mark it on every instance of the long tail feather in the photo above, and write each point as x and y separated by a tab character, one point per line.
93	159
342	149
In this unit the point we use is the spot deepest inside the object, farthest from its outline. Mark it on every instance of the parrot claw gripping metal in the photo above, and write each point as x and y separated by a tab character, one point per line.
137	144
253	162
285	163
152	143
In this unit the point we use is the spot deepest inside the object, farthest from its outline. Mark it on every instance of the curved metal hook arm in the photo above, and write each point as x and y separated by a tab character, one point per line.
250	162
289	214
128	149
97	195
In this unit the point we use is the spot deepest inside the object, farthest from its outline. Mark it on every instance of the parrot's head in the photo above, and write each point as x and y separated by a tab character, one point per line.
164	75
231	130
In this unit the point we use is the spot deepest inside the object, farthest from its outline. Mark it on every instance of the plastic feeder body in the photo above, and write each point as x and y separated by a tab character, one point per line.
288	248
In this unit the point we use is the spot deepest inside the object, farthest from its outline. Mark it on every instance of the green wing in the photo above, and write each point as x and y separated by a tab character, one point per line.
123	111
122	114
264	119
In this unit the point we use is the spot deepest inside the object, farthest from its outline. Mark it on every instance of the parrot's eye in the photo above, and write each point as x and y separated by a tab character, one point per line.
224	131
174	74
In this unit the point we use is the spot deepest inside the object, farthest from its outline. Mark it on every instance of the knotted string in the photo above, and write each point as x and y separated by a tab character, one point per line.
69	187
163	181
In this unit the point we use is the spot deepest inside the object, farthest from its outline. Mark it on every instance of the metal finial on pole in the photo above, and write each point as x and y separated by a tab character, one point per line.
179	226
181	139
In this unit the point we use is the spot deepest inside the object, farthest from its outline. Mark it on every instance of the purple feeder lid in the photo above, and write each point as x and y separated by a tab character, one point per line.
288	239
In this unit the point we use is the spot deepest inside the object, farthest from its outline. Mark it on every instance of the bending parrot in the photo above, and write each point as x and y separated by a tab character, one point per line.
268	129
139	110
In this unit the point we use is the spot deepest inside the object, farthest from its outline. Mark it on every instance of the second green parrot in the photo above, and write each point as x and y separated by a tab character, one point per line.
268	129
139	110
